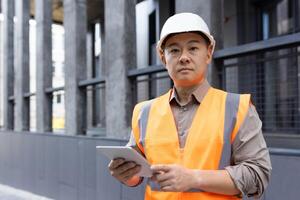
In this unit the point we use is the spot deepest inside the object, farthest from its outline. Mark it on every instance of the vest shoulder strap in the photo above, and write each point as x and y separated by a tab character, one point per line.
139	122
241	114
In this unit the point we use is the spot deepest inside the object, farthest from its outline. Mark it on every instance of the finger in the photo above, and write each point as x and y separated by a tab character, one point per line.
130	173
121	169
115	163
160	168
132	170
125	167
163	177
165	183
167	189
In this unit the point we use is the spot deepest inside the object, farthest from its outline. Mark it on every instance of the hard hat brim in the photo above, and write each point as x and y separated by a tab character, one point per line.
161	42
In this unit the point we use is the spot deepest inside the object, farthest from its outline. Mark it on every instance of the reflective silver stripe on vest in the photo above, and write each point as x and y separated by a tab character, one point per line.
143	121
231	109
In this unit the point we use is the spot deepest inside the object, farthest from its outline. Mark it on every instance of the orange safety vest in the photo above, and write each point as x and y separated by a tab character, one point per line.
208	144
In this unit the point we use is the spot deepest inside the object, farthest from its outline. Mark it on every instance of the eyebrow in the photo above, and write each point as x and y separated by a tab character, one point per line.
194	41
176	44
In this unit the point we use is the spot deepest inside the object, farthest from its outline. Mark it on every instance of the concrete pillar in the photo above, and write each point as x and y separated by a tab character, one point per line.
21	111
75	23
101	73
212	13
90	52
120	55
8	62
43	17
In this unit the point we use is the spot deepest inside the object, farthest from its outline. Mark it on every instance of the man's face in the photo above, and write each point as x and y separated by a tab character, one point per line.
186	56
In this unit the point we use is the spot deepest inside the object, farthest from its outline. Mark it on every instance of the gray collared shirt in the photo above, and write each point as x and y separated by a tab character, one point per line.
251	166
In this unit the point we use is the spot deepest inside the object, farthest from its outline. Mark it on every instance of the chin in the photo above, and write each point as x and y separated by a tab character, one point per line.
187	82
184	83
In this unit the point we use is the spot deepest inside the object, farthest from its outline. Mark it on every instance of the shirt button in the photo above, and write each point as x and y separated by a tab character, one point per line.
184	108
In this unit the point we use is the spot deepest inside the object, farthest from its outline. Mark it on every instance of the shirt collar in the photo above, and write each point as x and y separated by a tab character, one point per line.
198	94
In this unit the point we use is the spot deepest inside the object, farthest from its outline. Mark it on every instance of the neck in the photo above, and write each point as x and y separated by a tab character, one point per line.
185	93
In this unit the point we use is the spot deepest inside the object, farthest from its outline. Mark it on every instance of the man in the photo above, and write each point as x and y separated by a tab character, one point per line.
202	143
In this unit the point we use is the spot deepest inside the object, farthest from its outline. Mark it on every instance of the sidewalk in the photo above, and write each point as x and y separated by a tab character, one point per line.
10	193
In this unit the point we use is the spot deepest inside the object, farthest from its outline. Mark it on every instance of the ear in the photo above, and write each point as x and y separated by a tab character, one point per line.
161	55
163	59
209	53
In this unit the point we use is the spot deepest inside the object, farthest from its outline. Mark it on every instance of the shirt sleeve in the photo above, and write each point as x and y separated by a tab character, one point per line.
251	165
131	143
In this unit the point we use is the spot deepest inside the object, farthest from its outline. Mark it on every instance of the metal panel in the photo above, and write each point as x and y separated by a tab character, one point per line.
67	192
264	45
285	178
59	167
133	193
51	166
139	71
92	81
5	159
283	141
87	178
40	155
29	162
81	178
68	168
107	187
17	148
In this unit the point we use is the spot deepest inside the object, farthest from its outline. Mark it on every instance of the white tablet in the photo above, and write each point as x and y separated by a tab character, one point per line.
129	154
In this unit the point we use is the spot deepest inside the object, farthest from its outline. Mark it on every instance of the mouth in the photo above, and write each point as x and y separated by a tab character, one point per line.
184	70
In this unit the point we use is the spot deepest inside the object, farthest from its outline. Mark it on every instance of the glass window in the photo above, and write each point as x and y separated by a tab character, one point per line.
247	21
58	114
273	80
278	18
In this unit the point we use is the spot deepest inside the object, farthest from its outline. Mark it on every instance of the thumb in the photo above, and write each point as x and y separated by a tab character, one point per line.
160	168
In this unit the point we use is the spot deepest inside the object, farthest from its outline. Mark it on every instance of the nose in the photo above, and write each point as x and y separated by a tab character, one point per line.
184	58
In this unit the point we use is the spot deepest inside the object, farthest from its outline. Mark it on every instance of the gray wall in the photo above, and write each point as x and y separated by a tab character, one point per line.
60	167
68	167
285	177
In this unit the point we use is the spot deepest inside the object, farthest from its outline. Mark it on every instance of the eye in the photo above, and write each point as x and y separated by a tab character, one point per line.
174	50
193	48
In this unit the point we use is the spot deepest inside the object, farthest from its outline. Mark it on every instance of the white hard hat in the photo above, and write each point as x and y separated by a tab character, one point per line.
184	22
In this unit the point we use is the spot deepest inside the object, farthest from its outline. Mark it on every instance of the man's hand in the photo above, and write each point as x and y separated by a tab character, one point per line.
174	178
179	179
123	170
